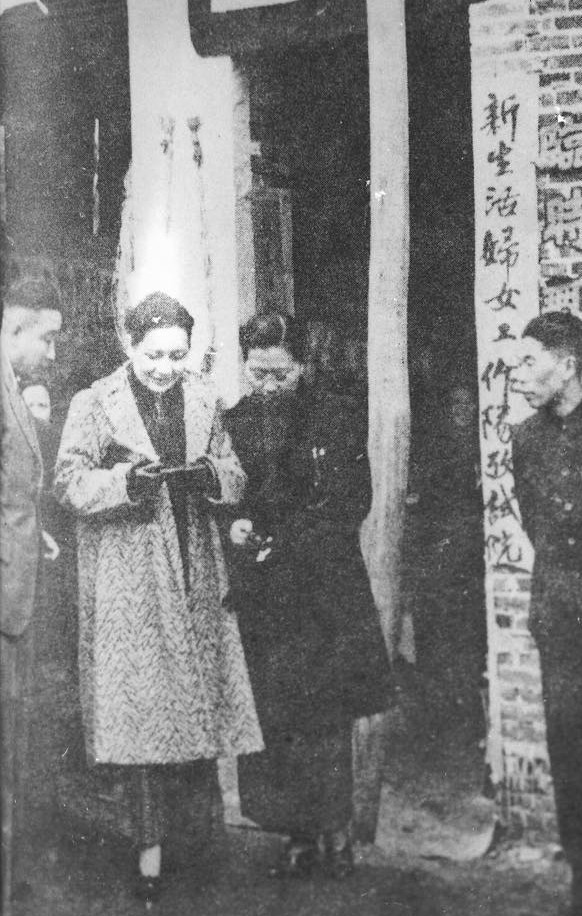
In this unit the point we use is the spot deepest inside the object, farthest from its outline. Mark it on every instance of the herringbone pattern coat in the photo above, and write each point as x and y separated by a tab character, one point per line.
162	671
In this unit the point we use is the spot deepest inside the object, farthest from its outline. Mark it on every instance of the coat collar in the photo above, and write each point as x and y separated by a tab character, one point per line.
117	401
199	410
571	422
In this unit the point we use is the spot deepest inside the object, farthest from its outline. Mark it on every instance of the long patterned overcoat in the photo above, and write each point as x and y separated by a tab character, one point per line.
162	671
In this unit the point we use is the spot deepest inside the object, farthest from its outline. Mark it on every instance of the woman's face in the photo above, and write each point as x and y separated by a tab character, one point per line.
272	372
159	359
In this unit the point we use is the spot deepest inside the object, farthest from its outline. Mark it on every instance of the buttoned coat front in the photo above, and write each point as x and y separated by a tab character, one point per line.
162	671
547	462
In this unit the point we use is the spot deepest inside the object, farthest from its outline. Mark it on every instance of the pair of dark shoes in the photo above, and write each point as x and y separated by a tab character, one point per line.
148	889
331	853
339	855
297	860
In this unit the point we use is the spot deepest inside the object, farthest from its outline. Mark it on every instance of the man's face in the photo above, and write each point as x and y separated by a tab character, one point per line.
542	375
31	339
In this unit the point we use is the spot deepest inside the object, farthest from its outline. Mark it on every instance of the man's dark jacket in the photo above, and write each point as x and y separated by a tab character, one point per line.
547	456
547	462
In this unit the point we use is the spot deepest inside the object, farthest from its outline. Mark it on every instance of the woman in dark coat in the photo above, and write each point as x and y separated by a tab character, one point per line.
310	630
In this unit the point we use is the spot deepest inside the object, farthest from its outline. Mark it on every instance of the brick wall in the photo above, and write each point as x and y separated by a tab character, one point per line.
535	45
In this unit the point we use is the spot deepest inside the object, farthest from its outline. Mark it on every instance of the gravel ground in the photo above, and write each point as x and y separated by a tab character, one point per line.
434	759
96	878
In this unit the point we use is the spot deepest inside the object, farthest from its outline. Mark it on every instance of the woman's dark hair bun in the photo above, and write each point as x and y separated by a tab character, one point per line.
272	330
158	310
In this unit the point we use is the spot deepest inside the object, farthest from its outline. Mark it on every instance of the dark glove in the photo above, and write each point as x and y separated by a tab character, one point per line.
203	479
142	484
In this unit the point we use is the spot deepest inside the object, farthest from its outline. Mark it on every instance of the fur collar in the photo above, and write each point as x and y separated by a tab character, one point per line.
118	403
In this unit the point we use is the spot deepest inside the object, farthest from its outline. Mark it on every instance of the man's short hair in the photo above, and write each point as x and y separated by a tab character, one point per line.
558	331
33	295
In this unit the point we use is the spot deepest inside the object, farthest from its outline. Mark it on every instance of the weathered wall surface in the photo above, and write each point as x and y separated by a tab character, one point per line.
179	225
527	140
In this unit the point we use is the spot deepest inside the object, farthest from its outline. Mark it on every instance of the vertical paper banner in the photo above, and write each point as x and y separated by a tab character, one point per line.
505	139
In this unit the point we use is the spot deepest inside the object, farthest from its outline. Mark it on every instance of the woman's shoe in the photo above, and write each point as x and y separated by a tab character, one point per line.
148	889
297	861
339	855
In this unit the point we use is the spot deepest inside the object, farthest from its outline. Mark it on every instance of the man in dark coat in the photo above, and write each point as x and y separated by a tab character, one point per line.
310	630
547	459
30	323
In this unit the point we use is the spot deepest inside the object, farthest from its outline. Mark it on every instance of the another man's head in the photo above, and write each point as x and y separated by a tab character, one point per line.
550	369
31	322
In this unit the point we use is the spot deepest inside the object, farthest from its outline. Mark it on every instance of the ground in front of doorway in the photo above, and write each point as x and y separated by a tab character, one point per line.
96	878
434	765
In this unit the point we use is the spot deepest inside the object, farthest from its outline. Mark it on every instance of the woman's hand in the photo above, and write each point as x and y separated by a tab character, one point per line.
51	548
142	485
240	530
204	479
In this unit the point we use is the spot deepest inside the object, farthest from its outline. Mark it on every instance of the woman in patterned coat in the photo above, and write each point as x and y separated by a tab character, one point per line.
163	678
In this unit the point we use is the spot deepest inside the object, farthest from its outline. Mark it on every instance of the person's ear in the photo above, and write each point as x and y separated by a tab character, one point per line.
571	364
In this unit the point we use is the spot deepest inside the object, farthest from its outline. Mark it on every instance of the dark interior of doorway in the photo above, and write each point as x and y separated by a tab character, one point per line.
309	113
444	526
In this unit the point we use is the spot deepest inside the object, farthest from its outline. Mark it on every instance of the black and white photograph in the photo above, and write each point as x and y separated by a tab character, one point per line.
291	457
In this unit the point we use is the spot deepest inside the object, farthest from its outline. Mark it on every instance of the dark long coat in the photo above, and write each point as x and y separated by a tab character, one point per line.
547	461
310	630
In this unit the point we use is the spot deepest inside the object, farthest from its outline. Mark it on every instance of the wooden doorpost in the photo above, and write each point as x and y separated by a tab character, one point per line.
388	286
389	407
